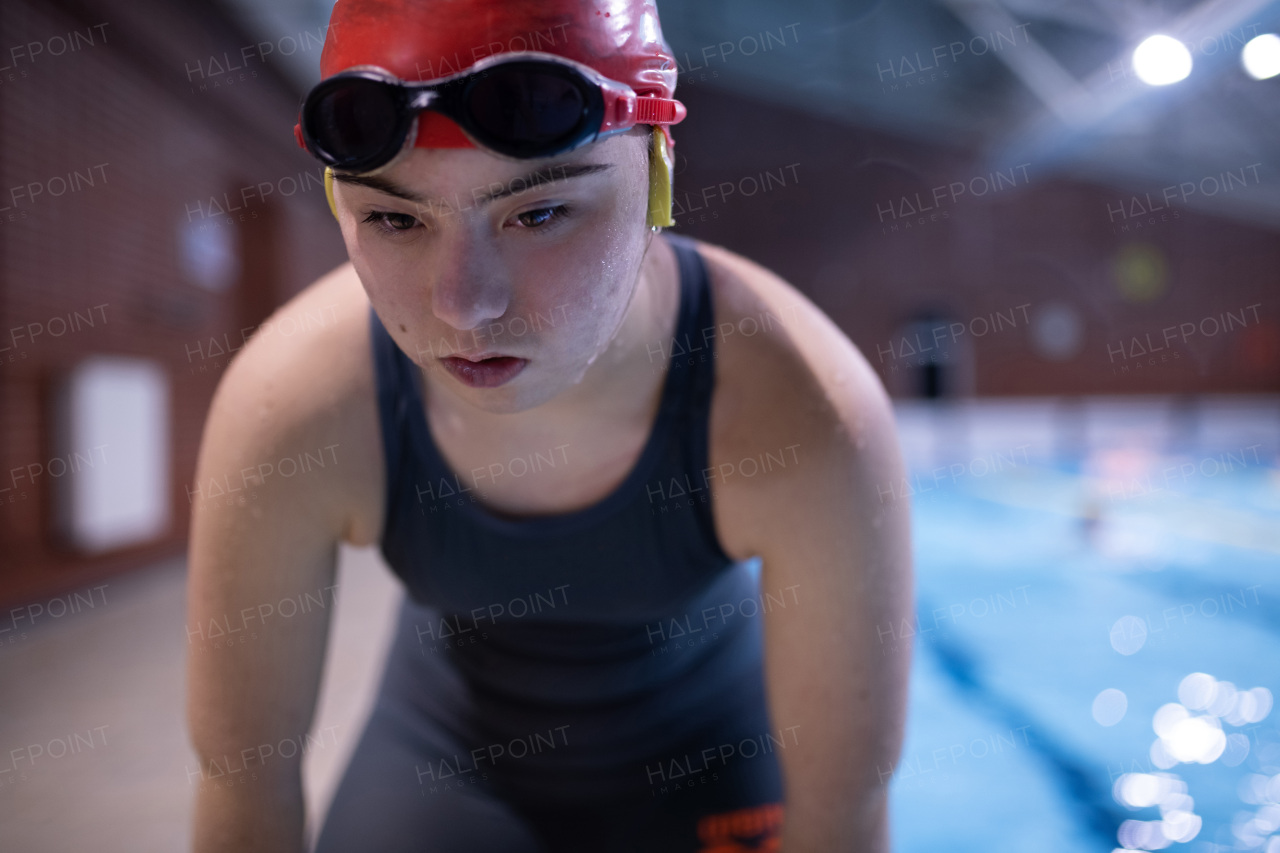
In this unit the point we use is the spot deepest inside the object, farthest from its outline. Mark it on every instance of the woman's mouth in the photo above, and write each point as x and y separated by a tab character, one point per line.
483	372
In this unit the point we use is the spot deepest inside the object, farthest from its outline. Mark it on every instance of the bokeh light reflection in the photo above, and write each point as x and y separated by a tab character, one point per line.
1197	691
1252	706
1199	739
1109	707
1143	835
1237	750
1180	826
1224	699
1128	634
1261	56
1161	60
1160	756
1142	790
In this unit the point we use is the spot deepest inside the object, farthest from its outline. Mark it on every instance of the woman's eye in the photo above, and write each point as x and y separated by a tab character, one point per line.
541	216
394	222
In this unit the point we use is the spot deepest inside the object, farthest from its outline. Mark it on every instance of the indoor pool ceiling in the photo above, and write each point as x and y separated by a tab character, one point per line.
1017	81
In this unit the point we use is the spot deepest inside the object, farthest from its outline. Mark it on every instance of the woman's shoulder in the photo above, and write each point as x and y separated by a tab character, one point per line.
794	397
306	376
307	349
774	338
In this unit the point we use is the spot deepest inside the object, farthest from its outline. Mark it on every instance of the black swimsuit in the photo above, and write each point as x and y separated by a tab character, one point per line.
585	681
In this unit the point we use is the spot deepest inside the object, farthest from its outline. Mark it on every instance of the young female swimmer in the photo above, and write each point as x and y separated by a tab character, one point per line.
633	485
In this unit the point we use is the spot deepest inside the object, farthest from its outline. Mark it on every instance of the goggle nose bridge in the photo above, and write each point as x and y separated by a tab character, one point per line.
423	98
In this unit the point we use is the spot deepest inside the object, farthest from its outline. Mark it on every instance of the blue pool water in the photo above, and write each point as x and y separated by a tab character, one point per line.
1044	584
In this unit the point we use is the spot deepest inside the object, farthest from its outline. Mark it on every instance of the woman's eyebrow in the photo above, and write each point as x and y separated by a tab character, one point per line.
549	175
492	192
382	185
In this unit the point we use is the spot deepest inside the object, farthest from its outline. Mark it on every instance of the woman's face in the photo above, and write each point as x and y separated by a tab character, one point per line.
536	259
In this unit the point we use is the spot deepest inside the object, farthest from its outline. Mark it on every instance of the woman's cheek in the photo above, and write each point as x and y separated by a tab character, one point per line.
387	275
391	298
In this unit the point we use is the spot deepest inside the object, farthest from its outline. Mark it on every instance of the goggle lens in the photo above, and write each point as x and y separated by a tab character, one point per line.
527	109
357	121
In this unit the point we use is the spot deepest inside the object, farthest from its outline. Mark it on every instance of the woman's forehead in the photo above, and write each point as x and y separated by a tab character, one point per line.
425	172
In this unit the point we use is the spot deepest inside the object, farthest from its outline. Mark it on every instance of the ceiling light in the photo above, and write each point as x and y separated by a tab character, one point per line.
1161	60
1261	56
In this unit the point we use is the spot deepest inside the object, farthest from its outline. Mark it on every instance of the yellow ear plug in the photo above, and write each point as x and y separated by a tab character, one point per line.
660	169
328	192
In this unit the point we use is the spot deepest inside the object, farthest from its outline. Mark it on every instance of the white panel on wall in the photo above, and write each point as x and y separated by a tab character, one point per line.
112	430
208	253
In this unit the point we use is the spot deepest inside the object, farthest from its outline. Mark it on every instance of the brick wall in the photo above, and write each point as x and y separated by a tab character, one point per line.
848	216
123	125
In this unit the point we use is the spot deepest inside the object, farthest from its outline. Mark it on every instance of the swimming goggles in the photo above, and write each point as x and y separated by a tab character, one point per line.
522	105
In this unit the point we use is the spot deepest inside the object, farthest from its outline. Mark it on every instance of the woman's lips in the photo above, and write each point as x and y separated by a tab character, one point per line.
487	373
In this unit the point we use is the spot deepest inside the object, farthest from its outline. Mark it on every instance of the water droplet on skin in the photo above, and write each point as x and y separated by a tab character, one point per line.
838	378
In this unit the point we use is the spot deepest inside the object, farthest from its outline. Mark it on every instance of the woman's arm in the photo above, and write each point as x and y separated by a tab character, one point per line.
834	550
259	539
847	555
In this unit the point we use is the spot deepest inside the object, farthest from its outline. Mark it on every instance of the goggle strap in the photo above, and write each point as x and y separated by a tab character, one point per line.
653	110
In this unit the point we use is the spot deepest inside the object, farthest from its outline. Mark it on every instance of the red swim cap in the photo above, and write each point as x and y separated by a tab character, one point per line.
420	40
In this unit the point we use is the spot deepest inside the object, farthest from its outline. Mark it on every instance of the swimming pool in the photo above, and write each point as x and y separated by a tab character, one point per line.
1065	603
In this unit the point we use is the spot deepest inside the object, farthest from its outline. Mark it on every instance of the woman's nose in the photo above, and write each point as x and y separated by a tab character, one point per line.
469	286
